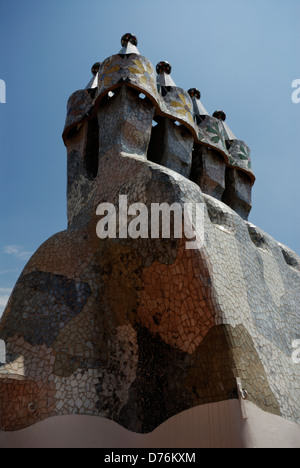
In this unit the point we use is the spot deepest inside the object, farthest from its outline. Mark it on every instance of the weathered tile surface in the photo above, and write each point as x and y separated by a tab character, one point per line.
137	330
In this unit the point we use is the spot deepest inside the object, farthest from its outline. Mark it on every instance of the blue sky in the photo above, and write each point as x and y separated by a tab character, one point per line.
242	55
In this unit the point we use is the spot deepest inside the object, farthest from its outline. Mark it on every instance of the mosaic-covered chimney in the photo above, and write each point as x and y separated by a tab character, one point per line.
137	108
159	342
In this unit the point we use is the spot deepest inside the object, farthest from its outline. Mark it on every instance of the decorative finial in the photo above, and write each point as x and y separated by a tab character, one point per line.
93	83
229	136
164	79
194	92
199	110
219	114
128	37
95	68
129	44
163	67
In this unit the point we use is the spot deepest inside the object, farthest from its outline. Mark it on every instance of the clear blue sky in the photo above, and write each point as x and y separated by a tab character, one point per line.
242	55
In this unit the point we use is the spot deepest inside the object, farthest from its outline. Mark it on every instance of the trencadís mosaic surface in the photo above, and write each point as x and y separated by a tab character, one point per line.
138	330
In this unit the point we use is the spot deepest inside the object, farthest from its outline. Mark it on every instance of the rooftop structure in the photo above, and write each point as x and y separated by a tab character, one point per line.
140	341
